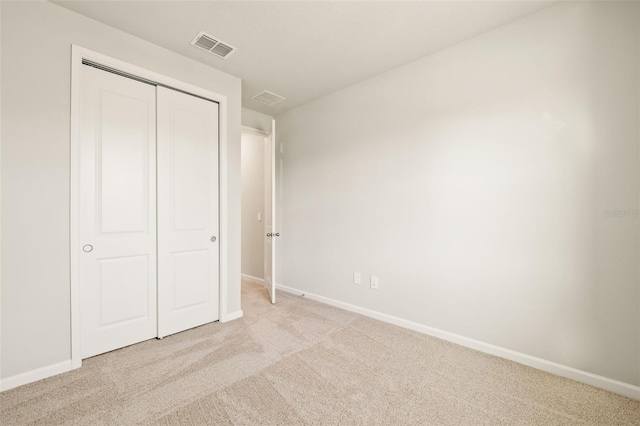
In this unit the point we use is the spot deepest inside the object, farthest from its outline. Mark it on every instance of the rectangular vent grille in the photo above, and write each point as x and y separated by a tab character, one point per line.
216	47
267	98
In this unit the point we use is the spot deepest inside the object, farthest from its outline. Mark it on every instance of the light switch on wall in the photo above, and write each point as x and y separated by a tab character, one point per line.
259	216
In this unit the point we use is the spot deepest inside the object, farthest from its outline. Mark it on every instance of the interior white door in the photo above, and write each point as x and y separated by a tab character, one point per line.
188	245
270	214
117	211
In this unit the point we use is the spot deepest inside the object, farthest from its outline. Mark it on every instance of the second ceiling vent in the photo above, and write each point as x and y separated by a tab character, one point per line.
268	98
212	45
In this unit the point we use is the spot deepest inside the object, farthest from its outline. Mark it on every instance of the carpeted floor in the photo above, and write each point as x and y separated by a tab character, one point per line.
301	362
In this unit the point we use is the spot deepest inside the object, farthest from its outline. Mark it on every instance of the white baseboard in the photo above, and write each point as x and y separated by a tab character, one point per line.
252	279
232	316
35	375
612	385
64	366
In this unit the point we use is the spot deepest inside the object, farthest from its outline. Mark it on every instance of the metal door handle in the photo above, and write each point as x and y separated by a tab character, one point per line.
213	239
277	234
269	234
87	248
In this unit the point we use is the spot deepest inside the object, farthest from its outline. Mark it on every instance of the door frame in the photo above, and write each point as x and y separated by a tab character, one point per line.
78	54
270	156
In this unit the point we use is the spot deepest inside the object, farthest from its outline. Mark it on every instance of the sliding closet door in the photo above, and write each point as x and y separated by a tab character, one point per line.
188	254
117	212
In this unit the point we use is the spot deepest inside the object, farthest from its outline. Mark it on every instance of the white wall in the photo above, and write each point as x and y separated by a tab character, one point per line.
256	120
474	183
253	162
36	49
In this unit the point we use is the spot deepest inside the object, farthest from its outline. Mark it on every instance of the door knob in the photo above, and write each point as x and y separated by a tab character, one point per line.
277	234
213	239
269	234
87	248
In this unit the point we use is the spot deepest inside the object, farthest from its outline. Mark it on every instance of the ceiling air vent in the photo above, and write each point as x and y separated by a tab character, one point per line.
212	45
268	98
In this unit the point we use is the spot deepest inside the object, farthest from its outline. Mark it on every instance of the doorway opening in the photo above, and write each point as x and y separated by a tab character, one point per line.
259	233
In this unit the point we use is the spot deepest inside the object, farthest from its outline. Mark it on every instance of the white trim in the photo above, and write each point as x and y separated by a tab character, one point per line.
273	278
35	375
612	385
77	55
232	316
254	131
74	214
222	208
1	292
252	279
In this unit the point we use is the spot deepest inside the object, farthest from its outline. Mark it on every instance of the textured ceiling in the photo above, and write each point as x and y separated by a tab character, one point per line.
303	50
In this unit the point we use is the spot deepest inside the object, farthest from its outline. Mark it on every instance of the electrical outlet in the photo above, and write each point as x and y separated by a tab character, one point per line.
374	282
356	277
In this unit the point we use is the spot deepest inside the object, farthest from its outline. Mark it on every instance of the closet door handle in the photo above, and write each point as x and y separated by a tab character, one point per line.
87	248
213	239
269	234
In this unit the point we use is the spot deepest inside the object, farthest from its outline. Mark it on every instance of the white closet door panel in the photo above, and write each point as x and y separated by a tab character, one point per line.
188	268
119	276
191	167
122	162
191	278
117	212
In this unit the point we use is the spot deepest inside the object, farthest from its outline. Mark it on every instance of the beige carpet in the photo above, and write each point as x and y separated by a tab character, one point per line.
302	362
